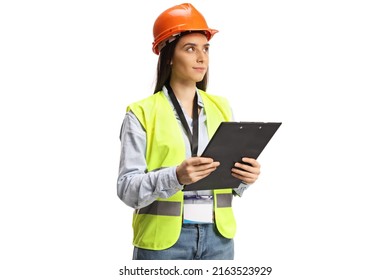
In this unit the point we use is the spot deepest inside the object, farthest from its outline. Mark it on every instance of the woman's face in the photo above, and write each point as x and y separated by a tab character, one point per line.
190	60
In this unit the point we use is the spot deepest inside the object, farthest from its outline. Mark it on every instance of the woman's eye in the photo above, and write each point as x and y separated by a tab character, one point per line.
190	49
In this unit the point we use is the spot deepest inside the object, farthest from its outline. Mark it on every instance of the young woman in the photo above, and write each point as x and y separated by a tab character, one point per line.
161	138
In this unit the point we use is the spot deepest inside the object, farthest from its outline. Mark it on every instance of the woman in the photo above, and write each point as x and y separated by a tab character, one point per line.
162	137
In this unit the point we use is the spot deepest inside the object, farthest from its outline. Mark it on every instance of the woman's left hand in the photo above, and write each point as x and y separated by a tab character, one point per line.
247	172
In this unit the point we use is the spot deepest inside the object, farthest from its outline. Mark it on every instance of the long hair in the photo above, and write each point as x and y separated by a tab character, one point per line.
164	68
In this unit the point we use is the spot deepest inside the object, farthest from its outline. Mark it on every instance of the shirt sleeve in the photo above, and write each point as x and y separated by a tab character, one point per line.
137	187
240	189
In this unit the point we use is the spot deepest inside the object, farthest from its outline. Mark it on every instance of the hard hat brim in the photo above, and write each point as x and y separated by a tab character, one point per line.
172	34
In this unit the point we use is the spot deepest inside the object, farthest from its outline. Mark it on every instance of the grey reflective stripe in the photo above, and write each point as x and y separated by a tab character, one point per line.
224	200
163	208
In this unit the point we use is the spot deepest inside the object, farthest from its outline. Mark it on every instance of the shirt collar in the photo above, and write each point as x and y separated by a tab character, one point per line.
200	101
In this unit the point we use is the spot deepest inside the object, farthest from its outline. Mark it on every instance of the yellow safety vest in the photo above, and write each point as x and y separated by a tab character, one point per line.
158	225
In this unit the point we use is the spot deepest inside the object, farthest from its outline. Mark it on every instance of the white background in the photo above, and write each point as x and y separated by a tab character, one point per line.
68	69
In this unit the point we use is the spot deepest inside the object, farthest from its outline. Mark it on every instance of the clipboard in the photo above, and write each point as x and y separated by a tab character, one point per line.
231	142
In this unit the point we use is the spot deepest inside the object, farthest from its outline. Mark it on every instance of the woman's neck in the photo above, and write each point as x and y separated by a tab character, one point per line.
184	92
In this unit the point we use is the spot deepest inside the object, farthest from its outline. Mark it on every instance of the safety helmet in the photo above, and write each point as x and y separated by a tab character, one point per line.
176	20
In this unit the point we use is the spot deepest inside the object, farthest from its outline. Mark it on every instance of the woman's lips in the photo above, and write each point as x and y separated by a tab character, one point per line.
199	69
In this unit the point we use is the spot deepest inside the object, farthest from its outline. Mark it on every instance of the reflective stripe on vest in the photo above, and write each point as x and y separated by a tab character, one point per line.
164	208
224	200
169	208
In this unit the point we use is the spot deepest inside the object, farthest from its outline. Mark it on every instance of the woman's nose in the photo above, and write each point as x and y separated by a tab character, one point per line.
201	57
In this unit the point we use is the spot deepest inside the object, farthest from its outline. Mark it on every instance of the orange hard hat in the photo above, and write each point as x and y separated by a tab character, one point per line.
176	20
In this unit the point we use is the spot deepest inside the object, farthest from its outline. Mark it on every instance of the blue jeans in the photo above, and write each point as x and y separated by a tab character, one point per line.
196	242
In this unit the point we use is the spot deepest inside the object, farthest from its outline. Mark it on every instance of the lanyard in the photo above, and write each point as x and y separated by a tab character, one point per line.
192	137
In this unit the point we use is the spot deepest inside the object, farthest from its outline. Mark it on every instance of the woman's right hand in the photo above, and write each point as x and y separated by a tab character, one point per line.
195	168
